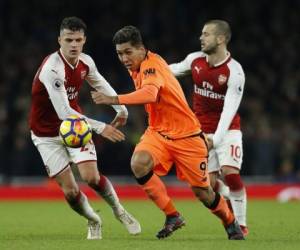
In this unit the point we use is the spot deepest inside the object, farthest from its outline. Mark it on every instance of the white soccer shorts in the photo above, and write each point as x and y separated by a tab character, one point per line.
229	152
56	156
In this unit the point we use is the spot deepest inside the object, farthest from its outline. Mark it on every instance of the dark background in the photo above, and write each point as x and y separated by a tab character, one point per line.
265	41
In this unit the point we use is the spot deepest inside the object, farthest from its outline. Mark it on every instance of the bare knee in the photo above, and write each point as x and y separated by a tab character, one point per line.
141	163
92	181
71	192
67	183
89	173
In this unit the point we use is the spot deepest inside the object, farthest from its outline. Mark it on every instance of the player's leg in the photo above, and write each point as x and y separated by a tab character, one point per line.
79	202
56	160
230	154
149	159
216	183
86	161
142	164
191	163
237	195
103	187
214	174
219	207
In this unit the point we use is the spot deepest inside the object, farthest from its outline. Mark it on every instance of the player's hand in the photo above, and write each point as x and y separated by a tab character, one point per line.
120	120
210	143
100	98
112	134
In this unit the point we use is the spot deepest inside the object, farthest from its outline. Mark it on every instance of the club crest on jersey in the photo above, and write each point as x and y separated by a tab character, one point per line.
222	79
83	74
198	69
57	83
148	72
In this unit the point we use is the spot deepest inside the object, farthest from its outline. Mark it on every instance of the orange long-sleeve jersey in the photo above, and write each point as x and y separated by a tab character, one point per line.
168	111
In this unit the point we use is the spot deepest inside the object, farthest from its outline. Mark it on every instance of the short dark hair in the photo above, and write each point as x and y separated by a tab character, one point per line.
128	34
222	28
73	23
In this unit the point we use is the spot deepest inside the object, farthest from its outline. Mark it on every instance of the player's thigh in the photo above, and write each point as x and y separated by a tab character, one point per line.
84	154
67	182
190	156
154	145
213	161
230	151
54	154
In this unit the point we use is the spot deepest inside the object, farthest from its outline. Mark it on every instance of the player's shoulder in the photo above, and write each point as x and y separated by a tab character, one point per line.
53	61
235	67
86	59
52	64
152	60
152	57
194	55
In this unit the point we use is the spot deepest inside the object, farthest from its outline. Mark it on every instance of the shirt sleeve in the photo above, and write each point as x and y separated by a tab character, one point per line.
232	101
184	67
147	94
98	82
53	81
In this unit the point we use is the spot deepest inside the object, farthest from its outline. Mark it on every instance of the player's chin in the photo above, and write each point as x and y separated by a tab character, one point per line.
74	54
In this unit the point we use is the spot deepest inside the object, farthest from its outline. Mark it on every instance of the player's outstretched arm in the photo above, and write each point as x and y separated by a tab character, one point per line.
147	94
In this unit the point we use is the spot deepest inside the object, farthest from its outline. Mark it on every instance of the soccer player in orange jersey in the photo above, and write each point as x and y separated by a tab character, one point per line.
173	136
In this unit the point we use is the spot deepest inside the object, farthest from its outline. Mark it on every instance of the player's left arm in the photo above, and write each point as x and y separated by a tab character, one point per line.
233	97
99	83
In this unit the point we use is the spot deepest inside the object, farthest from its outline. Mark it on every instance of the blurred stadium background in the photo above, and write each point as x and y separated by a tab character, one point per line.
265	41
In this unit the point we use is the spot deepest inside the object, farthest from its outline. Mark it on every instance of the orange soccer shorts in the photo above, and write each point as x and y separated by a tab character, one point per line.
188	154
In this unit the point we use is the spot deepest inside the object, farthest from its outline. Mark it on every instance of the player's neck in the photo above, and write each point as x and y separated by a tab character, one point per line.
217	57
72	61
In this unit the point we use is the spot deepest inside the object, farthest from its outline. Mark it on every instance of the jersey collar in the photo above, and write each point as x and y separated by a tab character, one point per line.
228	55
65	60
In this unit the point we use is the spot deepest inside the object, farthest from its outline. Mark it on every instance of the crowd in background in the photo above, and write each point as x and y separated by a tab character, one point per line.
265	38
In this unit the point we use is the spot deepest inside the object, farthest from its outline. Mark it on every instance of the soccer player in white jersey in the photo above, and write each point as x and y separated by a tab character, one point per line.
55	90
218	89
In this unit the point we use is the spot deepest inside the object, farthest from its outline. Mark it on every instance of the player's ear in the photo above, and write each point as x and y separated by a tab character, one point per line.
221	39
59	40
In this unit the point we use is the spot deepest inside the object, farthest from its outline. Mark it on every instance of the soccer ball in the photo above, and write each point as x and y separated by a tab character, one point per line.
75	132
